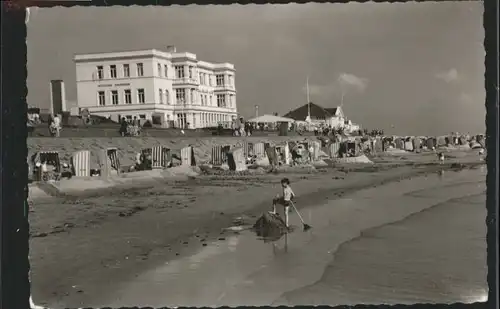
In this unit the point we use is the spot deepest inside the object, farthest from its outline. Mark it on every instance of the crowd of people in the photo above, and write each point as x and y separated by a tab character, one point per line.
55	127
329	130
32	121
131	127
241	127
54	122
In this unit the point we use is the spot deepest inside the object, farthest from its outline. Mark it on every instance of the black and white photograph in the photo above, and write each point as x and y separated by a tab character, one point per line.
257	155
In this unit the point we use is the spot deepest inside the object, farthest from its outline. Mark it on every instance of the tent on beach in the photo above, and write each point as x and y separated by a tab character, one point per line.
270	119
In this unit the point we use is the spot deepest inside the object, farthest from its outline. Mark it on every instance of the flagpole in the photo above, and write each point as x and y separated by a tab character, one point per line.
308	100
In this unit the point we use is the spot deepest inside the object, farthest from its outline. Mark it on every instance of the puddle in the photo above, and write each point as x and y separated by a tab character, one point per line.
249	270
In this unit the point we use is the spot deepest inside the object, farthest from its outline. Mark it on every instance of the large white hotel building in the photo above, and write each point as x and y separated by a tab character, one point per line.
168	88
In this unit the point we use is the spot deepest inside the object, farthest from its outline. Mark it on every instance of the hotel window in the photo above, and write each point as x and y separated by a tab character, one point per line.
128	96
100	72
140	69
179	121
114	97
167	97
193	96
219	79
165	70
201	78
112	71
180	96
190	72
102	98
230	80
179	71
141	98
210	100
160	93
126	70
159	69
202	100
221	100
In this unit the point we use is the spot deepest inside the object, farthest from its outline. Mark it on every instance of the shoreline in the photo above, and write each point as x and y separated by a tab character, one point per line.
404	248
188	234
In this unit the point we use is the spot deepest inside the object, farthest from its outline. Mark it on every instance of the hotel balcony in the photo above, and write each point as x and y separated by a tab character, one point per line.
185	81
182	103
224	87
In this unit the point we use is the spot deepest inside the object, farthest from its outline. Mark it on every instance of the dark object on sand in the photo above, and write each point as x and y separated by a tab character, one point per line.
270	226
305	225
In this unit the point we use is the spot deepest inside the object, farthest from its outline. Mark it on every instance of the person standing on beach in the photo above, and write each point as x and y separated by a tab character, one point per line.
233	127
50	122
284	199
56	124
123	127
242	127
135	125
247	129
311	153
441	158
237	125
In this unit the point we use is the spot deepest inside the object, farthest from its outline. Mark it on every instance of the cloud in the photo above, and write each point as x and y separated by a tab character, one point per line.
352	81
343	83
448	76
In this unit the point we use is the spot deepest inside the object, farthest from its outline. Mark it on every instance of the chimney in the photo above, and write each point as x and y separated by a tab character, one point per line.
57	97
171	49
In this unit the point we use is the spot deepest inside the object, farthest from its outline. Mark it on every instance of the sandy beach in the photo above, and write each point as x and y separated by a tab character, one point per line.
157	146
87	249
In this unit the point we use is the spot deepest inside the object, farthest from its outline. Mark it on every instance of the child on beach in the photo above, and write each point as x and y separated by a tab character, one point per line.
441	158
285	199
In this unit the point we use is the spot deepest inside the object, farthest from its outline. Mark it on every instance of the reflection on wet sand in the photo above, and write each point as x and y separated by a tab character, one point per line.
277	248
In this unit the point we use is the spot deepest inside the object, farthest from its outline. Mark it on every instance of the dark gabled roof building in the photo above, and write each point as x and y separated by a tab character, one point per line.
317	112
332	110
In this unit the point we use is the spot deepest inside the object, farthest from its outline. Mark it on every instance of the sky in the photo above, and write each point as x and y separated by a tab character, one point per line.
407	68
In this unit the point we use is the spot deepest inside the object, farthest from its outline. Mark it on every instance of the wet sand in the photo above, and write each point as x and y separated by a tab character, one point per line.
436	255
416	241
91	250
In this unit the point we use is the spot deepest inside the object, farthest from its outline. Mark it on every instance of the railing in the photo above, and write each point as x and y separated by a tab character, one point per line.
185	80
224	86
181	103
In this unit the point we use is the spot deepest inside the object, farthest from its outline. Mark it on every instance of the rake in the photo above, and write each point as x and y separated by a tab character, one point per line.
305	225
